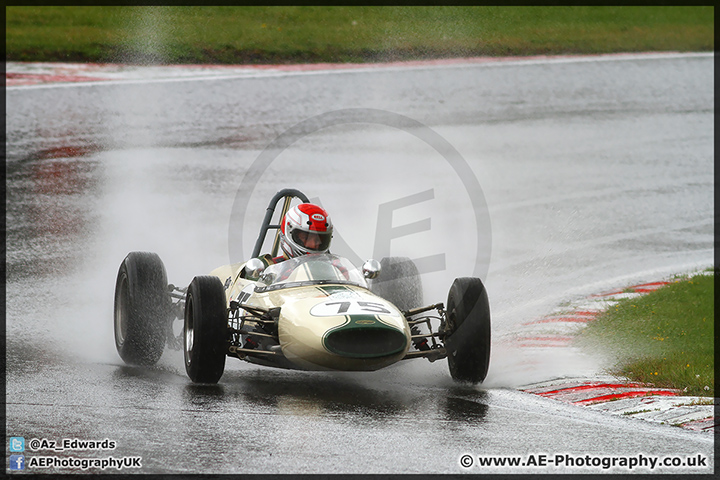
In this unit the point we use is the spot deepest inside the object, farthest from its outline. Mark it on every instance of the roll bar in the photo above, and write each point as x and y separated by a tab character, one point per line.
288	194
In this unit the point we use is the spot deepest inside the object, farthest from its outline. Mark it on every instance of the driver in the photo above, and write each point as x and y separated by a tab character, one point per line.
305	228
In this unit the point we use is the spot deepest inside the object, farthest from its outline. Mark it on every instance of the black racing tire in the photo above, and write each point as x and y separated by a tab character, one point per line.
206	329
399	283
142	309
468	325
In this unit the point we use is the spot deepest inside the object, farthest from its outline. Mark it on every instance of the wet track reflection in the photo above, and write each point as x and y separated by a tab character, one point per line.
308	395
263	419
313	395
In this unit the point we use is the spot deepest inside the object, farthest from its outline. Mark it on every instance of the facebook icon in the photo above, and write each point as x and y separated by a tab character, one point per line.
17	462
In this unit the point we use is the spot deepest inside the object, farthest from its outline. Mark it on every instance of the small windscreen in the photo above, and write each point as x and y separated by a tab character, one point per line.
313	269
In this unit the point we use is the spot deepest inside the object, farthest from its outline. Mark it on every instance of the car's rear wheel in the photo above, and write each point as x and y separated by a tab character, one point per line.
142	308
206	330
468	327
399	282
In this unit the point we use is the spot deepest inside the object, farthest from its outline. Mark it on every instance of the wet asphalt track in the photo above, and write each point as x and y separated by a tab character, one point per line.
595	175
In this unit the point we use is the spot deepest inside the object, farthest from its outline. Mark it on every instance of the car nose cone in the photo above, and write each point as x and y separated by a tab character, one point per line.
363	336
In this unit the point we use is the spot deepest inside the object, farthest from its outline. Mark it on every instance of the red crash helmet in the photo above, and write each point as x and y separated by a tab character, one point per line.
305	228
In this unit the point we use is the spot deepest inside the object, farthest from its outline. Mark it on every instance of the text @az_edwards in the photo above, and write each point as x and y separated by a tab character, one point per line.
40	444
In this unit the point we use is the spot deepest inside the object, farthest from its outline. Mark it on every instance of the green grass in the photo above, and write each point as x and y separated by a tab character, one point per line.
665	337
342	34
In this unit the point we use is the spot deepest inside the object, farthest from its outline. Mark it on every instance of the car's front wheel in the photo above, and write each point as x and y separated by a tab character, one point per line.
468	327
206	330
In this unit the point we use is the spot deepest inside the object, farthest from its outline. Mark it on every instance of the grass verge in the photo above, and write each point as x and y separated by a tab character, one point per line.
665	337
281	34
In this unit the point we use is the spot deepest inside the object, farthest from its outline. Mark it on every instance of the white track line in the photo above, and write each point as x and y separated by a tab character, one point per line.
390	67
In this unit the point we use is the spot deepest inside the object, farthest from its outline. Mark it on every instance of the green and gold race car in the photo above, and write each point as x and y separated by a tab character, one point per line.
312	312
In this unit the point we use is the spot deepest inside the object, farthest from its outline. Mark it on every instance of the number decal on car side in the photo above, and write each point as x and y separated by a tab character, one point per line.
242	297
351	307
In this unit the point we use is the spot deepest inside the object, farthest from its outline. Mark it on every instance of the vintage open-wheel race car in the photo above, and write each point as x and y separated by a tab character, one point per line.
312	312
